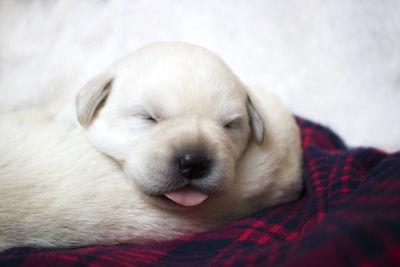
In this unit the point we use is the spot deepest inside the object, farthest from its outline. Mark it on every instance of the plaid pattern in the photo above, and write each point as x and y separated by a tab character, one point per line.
349	215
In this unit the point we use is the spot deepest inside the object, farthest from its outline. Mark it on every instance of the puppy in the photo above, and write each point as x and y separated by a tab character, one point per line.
179	146
181	123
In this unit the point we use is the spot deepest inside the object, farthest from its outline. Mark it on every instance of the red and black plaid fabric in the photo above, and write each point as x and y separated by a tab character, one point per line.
349	215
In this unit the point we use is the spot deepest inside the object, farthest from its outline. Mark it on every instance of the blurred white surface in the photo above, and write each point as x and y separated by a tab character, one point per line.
336	62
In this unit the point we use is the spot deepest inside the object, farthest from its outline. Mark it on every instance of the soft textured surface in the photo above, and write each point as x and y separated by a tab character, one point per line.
347	216
333	61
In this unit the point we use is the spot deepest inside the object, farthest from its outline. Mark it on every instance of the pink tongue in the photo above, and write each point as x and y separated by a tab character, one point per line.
186	196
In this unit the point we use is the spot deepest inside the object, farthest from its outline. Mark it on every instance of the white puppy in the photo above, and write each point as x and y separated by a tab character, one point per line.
191	148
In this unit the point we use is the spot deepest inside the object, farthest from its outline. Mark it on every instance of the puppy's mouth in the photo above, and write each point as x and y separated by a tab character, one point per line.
186	196
182	198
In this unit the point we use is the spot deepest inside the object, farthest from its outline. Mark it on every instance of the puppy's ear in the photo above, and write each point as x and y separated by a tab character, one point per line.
90	96
258	119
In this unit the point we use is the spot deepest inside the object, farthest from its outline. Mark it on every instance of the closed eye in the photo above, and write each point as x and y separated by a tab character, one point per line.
150	119
233	124
146	117
229	125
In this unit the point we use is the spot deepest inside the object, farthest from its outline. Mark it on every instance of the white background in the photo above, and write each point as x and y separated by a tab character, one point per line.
335	62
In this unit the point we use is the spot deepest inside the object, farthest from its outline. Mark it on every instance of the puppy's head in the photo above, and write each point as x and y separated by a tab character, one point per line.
177	119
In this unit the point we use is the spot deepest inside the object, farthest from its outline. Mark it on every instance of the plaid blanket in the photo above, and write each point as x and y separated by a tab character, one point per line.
348	215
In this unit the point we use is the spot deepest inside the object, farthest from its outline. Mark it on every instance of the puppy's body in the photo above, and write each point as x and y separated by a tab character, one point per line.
57	190
201	152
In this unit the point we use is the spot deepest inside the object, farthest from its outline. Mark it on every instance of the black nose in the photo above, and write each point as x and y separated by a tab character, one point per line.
194	165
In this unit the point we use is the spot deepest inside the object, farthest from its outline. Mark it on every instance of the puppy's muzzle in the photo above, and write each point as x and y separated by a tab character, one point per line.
194	165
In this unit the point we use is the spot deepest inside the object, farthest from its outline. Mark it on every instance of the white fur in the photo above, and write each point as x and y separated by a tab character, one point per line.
57	190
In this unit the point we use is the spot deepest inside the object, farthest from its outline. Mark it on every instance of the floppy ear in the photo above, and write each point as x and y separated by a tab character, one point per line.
258	119
90	96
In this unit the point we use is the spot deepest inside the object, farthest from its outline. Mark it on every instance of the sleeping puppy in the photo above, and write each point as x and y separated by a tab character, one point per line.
179	145
182	125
